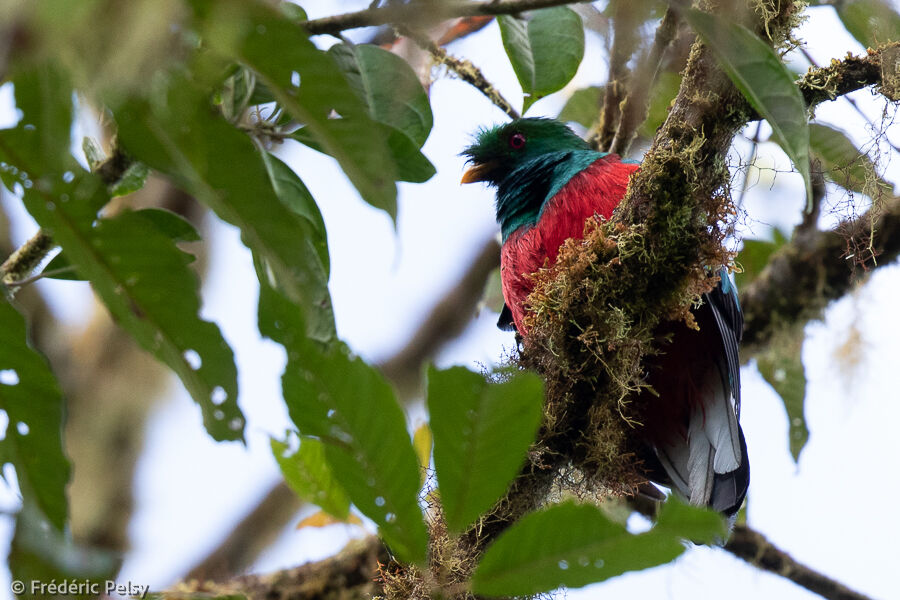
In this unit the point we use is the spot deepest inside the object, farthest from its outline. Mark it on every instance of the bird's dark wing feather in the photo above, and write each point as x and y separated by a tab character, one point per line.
505	322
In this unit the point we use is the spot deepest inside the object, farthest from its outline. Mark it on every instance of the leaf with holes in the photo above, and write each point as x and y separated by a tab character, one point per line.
482	431
763	79
179	136
574	545
32	405
347	404
545	50
308	474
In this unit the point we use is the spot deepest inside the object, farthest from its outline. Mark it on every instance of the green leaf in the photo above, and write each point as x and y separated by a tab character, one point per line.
782	368
145	283
754	257
757	71
33	405
309	475
175	227
388	87
294	194
41	553
574	545
844	163
545	51
131	181
221	167
349	406
871	22
281	53
412	165
468	417
583	106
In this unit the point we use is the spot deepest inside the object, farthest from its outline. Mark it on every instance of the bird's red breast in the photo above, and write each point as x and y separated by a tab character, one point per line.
596	190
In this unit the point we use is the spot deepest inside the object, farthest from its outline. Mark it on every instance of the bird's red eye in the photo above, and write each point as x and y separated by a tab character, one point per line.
517	141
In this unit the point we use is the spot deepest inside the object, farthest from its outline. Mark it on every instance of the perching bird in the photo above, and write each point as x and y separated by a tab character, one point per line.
549	181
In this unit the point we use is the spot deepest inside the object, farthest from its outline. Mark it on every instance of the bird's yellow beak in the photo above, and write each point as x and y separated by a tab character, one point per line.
478	172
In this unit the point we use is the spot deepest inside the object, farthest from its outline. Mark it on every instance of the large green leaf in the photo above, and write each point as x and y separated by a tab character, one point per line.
388	86
664	90
32	403
178	135
482	432
545	51
341	400
871	22
294	194
309	475
576	544
844	163
146	284
781	365
283	56
763	79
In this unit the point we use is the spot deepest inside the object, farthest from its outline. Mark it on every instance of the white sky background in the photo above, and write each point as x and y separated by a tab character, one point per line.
832	511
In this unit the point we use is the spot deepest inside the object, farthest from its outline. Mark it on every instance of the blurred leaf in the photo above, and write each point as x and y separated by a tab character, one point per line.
871	22
388	86
32	404
844	163
422	443
131	181
310	477
583	106
237	94
574	545
781	366
323	519
468	417
178	135
664	90
174	226
757	71
93	153
545	51
294	194
145	283
41	553
341	400
411	164
754	257
282	56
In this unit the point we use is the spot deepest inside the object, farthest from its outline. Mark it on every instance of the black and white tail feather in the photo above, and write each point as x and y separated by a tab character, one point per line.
712	468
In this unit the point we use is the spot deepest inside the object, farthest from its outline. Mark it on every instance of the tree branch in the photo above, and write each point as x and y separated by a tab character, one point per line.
412	13
466	71
816	267
754	548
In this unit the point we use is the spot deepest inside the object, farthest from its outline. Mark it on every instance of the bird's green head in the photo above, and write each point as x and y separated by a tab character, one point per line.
498	151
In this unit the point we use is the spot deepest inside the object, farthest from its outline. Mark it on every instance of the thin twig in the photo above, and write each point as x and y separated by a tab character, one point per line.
637	102
405	14
463	68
